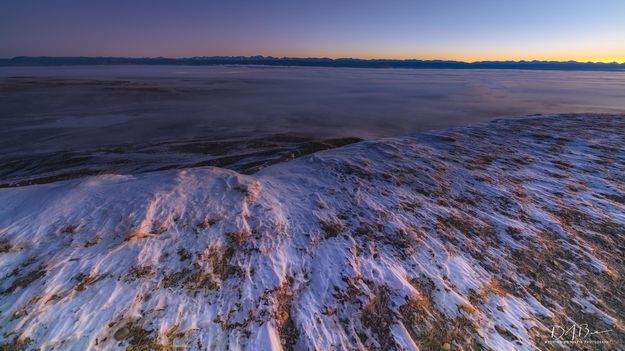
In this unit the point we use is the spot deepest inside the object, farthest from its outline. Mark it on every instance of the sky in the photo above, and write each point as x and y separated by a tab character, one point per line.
560	30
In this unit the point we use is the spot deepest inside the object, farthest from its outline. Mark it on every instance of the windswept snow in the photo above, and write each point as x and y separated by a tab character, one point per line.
476	237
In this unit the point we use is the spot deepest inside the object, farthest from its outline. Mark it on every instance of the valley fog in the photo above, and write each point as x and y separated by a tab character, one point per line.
77	107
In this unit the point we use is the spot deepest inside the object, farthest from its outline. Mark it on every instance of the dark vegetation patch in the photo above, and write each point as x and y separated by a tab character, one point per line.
377	316
137	233
616	198
158	228
514	232
239	237
571	216
206	223
18	344
85	280
353	291
5	246
287	329
177	278
194	279
219	261
140	272
431	330
140	339
331	228
184	254
70	229
562	165
25	280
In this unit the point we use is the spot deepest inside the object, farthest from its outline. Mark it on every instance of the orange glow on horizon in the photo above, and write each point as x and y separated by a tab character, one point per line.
463	58
597	54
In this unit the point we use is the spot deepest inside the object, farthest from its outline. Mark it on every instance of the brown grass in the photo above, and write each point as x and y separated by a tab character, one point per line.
5	246
25	280
206	223
239	237
287	328
331	228
378	317
85	280
218	260
70	229
18	344
141	272
137	233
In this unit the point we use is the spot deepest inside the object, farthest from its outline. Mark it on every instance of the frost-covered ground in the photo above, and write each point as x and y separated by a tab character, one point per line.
477	237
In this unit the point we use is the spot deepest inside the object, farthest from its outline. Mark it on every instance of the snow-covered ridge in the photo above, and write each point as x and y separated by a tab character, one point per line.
484	236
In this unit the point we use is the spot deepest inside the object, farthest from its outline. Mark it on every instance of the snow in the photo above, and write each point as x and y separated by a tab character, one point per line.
482	235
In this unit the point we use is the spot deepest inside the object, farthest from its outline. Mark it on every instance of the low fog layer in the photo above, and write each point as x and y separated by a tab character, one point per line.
72	108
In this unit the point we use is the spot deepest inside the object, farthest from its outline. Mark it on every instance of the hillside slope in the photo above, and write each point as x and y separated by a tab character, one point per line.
483	236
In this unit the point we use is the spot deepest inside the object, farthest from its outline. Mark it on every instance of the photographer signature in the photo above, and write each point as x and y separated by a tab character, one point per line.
574	332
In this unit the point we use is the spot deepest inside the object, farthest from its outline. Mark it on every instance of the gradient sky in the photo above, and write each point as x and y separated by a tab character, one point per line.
580	30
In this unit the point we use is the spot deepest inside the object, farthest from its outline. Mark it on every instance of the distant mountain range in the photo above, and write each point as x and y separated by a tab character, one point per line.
316	62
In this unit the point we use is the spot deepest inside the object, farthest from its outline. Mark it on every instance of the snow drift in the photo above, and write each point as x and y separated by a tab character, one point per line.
476	237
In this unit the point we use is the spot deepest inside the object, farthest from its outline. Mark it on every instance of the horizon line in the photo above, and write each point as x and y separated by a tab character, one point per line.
337	58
